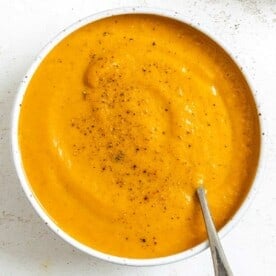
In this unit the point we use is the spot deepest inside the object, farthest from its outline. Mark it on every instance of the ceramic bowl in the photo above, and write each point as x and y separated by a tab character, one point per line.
27	188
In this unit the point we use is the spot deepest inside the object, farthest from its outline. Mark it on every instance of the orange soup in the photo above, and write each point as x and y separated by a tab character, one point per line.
123	120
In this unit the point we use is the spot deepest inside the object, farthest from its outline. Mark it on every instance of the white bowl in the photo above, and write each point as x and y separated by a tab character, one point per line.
27	187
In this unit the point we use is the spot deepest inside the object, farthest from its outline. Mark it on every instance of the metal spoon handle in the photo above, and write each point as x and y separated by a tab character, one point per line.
221	265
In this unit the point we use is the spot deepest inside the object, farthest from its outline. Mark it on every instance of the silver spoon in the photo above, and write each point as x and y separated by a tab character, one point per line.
221	265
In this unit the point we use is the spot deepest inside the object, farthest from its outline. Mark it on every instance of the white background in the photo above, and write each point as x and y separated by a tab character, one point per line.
246	28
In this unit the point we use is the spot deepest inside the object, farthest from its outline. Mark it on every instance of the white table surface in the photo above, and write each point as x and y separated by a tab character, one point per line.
247	28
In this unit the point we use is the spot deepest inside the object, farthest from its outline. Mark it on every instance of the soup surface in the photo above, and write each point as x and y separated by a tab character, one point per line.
122	121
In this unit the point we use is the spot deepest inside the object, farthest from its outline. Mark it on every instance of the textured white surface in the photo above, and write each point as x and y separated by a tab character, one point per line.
246	28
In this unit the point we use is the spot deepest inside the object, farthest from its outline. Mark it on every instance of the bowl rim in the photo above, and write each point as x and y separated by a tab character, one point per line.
23	177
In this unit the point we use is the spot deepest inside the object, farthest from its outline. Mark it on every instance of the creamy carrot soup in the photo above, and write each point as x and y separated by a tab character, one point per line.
122	121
